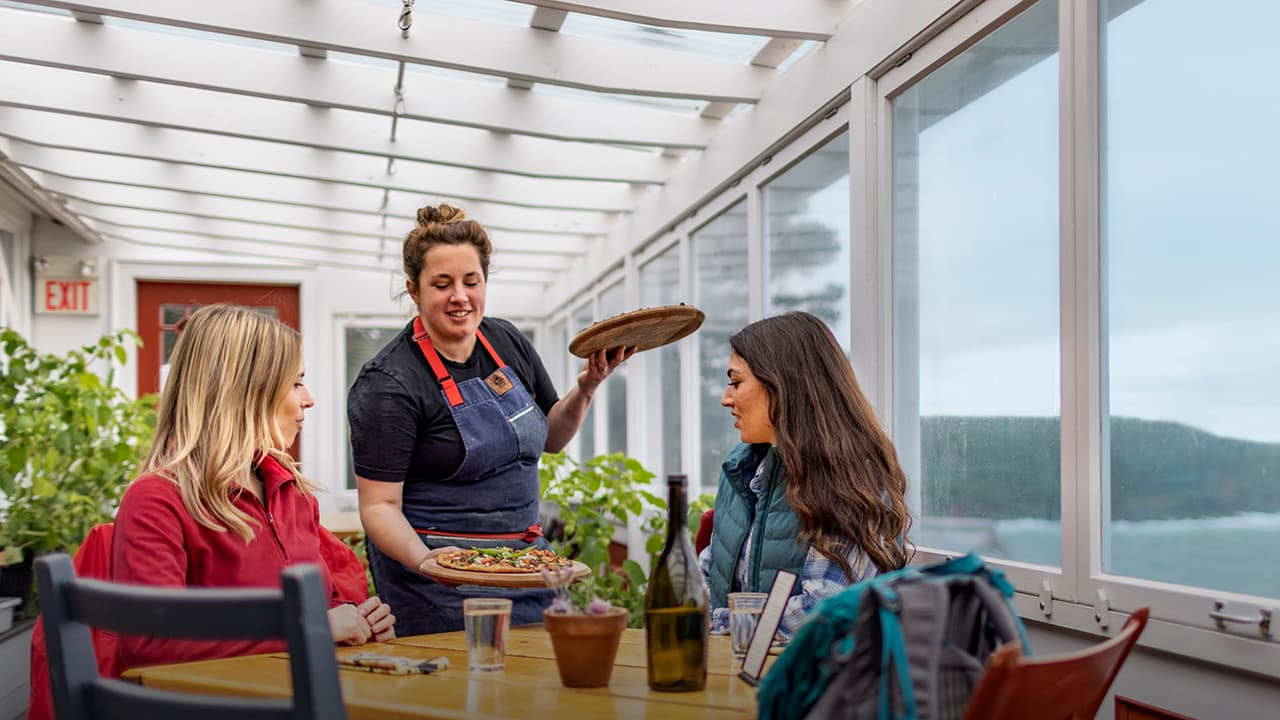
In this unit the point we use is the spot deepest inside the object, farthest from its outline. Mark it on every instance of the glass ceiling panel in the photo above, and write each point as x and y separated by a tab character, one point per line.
684	107
720	46
200	35
499	11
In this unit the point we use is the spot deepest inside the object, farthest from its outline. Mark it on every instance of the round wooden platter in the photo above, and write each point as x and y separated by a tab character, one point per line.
644	329
452	576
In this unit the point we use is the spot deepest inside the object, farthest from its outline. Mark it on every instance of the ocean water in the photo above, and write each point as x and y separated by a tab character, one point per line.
1233	553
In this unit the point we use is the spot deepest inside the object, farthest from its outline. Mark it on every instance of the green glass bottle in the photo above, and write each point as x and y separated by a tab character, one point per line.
675	605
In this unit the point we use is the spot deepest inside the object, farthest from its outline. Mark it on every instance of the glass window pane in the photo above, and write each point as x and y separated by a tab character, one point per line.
975	295
171	315
555	354
806	234
360	344
1190	252
720	289
660	285
582	317
612	303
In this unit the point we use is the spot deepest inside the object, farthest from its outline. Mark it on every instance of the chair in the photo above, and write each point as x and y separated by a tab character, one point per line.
705	525
1060	687
297	613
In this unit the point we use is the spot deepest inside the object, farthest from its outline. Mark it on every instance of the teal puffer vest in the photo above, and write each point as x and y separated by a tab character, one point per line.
776	546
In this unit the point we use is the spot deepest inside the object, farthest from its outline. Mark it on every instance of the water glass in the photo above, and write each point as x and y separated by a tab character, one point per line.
487	620
744	614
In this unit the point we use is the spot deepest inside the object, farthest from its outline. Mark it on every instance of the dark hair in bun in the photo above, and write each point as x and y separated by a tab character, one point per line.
443	224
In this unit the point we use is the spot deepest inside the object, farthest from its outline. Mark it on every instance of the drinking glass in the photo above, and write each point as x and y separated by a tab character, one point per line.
744	614
487	621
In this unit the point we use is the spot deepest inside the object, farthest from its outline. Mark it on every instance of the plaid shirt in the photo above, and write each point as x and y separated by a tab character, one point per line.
819	580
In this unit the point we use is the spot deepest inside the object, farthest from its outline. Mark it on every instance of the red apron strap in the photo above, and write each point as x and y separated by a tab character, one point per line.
437	365
492	353
531	533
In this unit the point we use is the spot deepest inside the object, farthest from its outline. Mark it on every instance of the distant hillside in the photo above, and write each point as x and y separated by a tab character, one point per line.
1007	467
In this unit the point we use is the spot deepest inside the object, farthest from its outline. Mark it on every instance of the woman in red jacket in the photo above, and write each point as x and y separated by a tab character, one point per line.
220	502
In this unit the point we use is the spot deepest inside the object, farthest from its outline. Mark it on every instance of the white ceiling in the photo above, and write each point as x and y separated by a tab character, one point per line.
314	129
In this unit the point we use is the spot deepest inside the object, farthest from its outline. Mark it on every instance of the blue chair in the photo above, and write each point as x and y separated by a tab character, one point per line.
296	614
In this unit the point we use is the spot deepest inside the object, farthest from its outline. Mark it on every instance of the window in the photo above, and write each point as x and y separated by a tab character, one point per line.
581	318
1189	251
720	286
555	355
9	312
806	231
612	302
975	295
360	343
660	285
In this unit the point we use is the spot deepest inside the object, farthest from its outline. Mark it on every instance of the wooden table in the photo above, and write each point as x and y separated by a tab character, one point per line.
529	688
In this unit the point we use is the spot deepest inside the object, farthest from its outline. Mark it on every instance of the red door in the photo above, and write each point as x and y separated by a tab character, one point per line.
163	306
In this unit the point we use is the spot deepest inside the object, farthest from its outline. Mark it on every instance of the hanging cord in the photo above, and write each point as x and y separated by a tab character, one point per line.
406	19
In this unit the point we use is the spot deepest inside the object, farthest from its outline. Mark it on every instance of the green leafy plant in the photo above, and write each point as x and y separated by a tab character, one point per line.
593	499
71	440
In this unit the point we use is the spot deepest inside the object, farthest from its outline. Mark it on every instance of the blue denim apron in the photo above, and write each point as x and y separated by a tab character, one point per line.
492	499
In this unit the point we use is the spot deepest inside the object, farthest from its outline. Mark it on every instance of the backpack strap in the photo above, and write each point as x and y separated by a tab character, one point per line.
893	656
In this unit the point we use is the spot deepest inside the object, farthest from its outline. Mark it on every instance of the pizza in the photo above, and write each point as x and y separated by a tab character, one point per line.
502	560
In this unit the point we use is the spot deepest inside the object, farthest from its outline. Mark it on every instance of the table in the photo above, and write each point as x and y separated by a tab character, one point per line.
529	687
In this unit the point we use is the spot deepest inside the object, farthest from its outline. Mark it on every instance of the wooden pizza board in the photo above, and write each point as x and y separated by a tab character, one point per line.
453	576
644	329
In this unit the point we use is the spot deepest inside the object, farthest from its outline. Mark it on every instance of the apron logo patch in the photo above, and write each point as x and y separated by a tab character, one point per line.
498	382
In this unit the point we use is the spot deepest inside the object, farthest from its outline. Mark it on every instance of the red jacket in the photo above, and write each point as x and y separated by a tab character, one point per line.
157	542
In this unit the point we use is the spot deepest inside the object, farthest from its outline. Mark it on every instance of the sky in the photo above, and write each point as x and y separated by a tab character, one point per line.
1190	231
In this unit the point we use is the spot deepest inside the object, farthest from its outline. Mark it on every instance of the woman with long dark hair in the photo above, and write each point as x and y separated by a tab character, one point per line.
815	486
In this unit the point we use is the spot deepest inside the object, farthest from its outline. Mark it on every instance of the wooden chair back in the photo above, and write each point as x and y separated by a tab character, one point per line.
297	613
1059	687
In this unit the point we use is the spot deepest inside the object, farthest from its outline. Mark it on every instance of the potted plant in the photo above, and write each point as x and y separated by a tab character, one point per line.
71	442
584	637
593	499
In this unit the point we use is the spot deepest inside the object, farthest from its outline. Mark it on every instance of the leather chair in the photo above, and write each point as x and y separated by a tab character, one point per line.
1060	687
296	613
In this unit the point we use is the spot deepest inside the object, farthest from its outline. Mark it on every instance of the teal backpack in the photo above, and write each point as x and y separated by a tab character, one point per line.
905	645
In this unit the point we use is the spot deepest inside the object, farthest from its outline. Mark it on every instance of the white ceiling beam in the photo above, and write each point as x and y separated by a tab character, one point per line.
801	20
85	158
451	42
232	116
293	199
34	191
297	247
178	246
43	39
329	244
367	229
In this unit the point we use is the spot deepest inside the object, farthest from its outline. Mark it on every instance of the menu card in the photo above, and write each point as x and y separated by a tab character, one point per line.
767	627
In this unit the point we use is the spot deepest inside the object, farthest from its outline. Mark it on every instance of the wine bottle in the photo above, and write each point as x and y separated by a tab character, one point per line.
675	605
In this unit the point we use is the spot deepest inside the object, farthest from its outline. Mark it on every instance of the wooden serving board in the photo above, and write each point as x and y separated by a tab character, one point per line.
643	329
452	576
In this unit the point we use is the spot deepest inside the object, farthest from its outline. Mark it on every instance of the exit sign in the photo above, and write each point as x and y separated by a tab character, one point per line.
67	285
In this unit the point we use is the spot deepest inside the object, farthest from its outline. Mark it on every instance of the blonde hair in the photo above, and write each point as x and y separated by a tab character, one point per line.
230	371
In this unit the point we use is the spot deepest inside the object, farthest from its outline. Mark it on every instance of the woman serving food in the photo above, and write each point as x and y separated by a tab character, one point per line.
447	424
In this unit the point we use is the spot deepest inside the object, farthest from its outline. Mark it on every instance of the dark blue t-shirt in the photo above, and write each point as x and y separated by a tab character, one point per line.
401	427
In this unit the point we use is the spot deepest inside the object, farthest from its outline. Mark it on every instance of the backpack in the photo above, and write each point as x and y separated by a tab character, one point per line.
904	645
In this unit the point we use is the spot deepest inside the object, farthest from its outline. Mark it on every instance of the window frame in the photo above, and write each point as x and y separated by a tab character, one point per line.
1078	595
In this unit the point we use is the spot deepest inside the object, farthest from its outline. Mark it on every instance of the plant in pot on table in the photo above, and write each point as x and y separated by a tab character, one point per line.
585	630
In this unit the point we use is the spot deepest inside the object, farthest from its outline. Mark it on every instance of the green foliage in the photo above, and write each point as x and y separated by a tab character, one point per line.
356	541
1009	467
593	499
72	440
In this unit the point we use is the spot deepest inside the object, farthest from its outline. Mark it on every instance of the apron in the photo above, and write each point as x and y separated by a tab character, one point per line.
492	499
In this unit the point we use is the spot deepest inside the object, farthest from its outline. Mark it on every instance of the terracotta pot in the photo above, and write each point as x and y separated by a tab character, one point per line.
585	645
